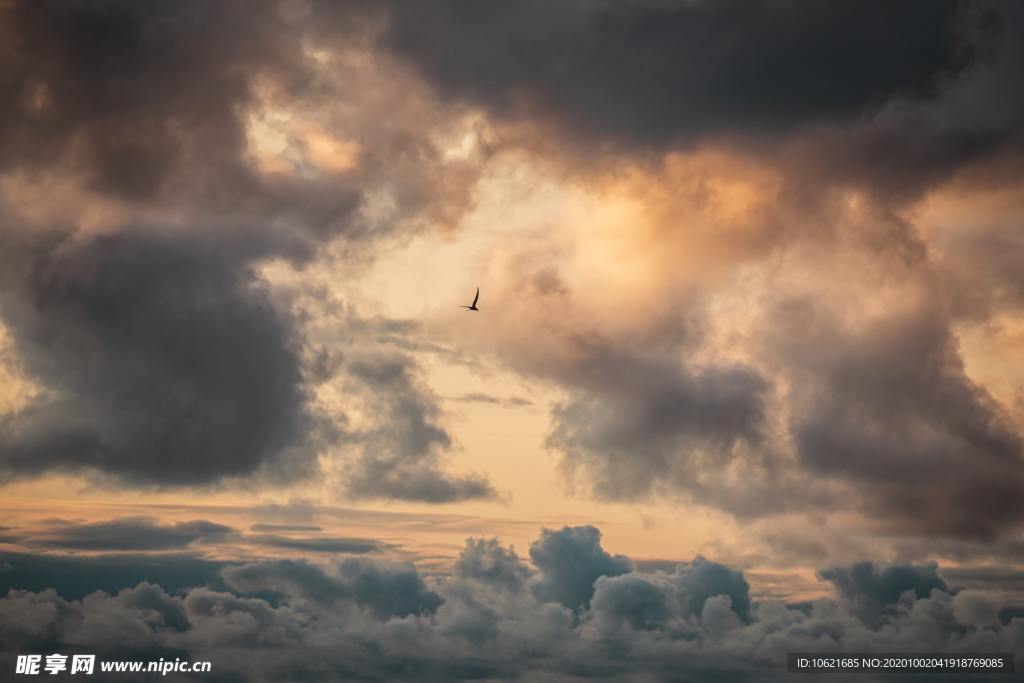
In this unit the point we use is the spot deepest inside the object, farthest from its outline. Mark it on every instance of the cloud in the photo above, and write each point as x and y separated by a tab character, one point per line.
641	420
79	575
387	590
173	178
485	560
126	534
636	601
371	621
173	364
711	592
318	544
872	591
1009	579
888	408
894	100
570	560
510	402
629	71
401	452
703	579
113	86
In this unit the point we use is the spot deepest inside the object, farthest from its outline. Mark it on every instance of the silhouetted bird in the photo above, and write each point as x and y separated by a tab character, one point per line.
475	299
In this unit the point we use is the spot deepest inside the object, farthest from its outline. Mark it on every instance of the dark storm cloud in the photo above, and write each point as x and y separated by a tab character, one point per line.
403	450
175	366
570	560
126	534
893	97
871	591
166	359
890	410
663	71
359	620
163	357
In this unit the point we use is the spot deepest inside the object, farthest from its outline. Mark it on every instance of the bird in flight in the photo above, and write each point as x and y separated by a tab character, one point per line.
476	298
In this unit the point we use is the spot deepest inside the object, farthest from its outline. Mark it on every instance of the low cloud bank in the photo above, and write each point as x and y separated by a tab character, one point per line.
579	612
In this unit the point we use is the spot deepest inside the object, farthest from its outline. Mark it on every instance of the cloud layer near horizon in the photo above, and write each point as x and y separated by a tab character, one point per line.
579	612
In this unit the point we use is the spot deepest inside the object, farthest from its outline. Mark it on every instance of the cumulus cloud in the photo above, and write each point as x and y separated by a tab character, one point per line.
487	561
369	621
570	560
870	590
387	590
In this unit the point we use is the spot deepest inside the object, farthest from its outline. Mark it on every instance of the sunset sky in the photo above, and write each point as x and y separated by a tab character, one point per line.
746	376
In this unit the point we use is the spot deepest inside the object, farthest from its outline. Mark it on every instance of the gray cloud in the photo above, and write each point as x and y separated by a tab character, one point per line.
983	577
126	534
703	579
271	621
487	561
387	590
639	420
318	544
79	575
890	410
116	79
715	594
894	99
166	360
510	402
872	591
401	454
626	70
178	365
570	560
146	534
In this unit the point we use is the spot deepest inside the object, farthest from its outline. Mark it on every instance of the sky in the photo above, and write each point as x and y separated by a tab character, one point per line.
745	379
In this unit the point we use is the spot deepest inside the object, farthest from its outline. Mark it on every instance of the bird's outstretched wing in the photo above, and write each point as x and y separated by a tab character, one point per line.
477	297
